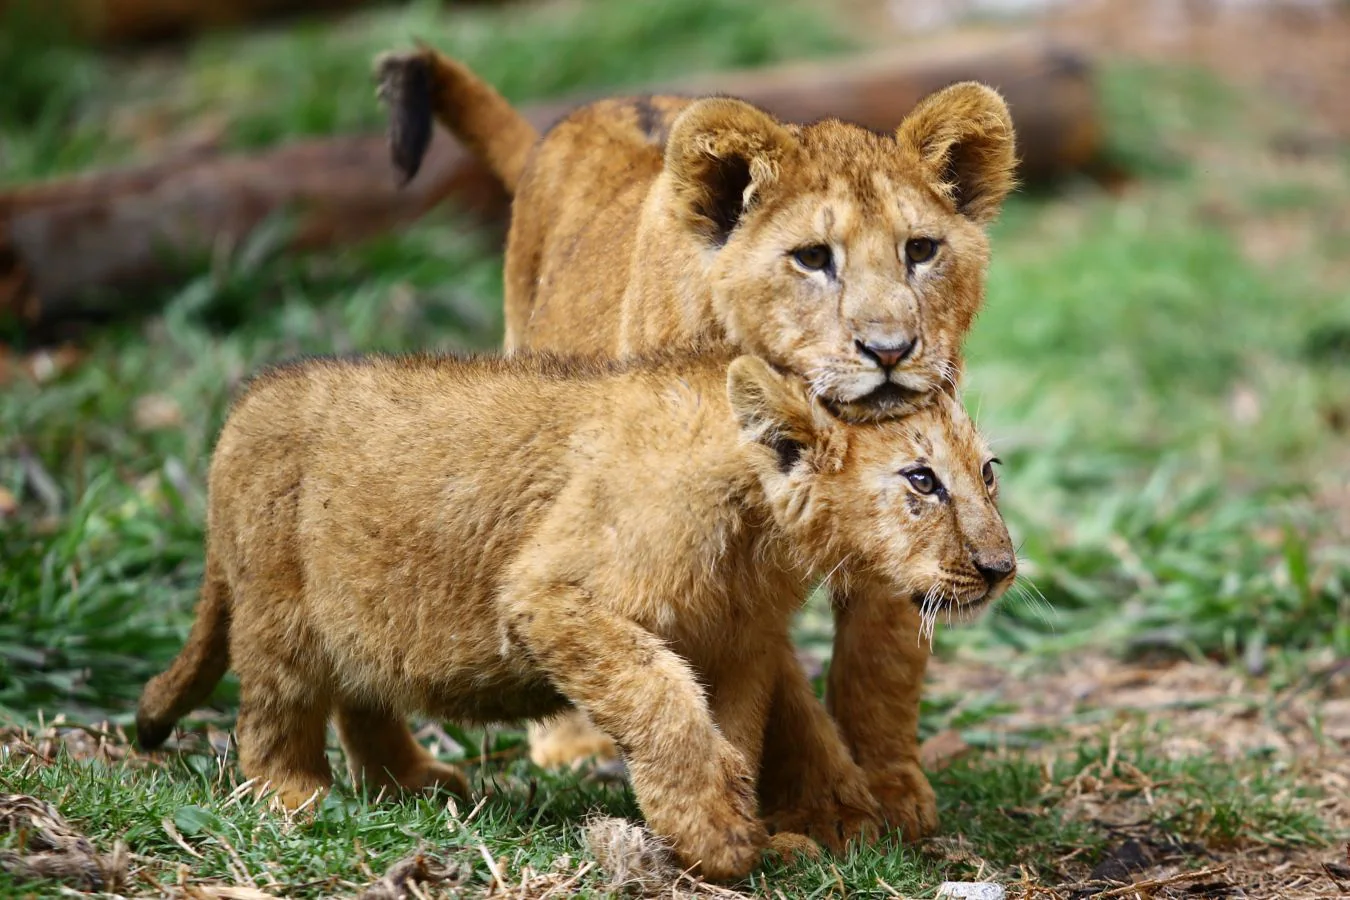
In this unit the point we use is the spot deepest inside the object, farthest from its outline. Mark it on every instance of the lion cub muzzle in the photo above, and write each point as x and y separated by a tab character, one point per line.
886	352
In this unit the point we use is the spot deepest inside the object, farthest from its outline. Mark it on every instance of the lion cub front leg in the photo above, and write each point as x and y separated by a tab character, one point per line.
742	697
809	783
873	691
694	787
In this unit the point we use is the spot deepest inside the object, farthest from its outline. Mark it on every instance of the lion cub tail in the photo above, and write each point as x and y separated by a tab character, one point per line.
197	669
423	84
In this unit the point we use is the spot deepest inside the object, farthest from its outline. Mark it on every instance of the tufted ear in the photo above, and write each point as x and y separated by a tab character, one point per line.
775	411
963	135
719	153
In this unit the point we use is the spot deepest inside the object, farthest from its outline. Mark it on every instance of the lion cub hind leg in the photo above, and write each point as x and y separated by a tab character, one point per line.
382	754
284	700
569	740
282	740
694	788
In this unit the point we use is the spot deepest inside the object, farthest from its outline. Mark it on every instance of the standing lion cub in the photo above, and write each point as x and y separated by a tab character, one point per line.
854	259
488	540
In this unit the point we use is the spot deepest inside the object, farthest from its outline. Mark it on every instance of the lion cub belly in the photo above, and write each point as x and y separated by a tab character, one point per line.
434	648
458	669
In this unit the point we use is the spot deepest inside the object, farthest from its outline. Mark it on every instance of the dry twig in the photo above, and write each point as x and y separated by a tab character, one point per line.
404	877
54	850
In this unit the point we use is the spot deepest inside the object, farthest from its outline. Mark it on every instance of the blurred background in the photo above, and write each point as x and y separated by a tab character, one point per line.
190	191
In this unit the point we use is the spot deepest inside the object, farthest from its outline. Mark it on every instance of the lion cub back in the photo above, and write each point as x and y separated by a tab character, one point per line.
300	445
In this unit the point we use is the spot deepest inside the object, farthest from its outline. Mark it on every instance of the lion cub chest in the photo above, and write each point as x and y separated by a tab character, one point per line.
664	518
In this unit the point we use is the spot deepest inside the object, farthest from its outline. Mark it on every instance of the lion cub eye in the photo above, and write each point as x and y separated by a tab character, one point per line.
988	471
920	250
815	258
922	479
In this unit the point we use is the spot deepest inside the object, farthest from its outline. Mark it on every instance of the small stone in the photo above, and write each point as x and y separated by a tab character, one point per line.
156	412
971	890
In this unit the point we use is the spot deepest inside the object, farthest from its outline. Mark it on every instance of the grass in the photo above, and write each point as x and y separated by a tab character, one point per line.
1166	404
312	76
1013	812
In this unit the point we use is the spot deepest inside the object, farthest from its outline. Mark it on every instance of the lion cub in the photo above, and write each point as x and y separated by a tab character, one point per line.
502	539
853	259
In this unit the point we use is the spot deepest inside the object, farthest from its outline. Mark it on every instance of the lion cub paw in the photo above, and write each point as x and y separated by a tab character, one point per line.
291	797
714	829
727	847
792	847
833	826
438	776
569	743
842	812
908	803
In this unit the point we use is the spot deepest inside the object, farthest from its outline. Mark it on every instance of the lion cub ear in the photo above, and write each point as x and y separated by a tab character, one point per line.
963	135
720	152
775	411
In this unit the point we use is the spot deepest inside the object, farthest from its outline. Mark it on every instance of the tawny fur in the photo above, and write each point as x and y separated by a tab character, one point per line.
487	540
640	223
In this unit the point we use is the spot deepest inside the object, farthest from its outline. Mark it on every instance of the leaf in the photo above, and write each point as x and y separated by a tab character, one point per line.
194	820
941	749
1296	558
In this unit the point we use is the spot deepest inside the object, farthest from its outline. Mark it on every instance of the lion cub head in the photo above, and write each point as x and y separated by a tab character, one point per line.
856	260
909	505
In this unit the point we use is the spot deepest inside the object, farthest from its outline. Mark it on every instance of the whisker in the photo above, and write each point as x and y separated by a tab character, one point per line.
931	615
838	566
1032	585
1035	600
947	372
923	614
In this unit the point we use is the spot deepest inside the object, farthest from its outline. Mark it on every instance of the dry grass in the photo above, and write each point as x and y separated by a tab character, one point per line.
1180	711
49	849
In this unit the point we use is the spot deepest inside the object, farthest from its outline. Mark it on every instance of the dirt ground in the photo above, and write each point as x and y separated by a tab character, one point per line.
1179	710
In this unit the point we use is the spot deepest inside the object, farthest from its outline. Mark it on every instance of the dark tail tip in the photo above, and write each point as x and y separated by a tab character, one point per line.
406	86
151	733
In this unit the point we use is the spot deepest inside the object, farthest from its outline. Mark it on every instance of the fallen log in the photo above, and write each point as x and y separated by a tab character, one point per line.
129	21
111	231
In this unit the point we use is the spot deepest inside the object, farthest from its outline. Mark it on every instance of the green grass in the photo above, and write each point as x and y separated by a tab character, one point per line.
1120	334
1107	360
313	76
1009	810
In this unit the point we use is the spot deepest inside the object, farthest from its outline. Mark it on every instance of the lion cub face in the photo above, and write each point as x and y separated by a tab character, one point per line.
853	259
910	504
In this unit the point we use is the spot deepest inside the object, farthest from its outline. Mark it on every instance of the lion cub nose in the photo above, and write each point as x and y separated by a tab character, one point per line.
993	568
886	355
